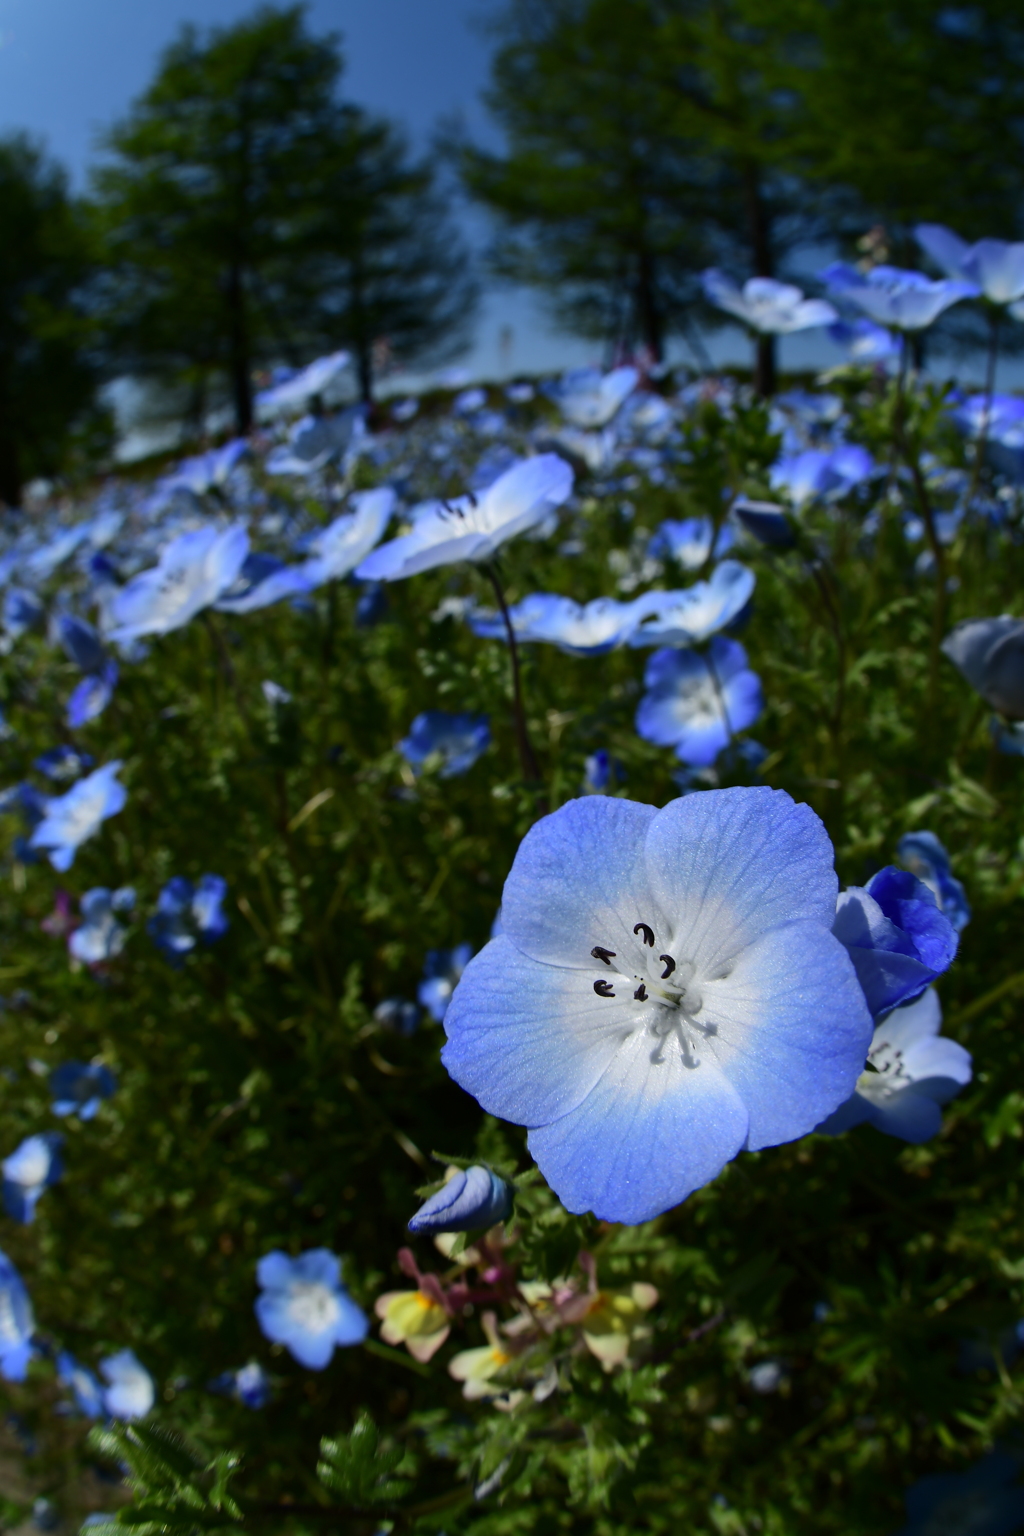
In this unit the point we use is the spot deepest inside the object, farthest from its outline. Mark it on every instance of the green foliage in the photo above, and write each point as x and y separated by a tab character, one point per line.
176	1491
362	1471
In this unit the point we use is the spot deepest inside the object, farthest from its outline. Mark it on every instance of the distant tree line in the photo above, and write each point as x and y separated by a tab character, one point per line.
244	215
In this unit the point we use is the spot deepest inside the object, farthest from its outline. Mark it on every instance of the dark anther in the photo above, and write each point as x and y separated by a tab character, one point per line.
648	934
600	953
472	500
641	993
670	966
603	988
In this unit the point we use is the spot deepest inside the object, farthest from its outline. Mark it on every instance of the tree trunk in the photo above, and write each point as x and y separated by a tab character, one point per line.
10	469
652	325
359	328
239	356
765	368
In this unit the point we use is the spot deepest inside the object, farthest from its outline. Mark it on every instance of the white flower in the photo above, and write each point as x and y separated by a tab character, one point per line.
193	570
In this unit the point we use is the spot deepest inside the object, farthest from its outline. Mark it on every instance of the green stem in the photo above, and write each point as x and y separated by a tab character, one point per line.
527	757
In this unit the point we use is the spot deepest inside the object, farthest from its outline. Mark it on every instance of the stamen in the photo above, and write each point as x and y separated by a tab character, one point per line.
647	932
603	988
600	953
641	993
670	966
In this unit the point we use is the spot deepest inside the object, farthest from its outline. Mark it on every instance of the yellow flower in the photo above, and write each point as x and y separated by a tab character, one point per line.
413	1319
614	1320
475	1367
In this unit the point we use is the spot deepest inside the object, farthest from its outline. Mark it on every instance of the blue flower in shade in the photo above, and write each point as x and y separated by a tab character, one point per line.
697	703
262	580
22	611
925	857
898	938
589	398
579	629
768	524
100	936
455	741
864	341
79	641
17	1323
70	820
371	605
995	266
907	301
999	417
62	763
911	1071
474	527
601	773
397	1014
249	1385
186	913
292	390
470	1198
985	1501
130	1391
822	472
193	571
30	1169
91	697
666	991
766	305
441	972
697	612
305	1307
79	1087
690	542
85	1386
989	653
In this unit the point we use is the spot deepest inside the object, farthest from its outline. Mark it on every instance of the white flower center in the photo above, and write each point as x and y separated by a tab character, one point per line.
312	1305
667	993
886	1072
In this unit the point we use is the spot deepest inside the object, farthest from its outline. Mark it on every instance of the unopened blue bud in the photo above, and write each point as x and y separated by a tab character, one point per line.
475	1197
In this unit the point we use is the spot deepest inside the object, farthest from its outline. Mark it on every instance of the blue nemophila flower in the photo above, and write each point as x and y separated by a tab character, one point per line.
690	542
767	306
79	1087
994	266
474	527
441	972
187	913
990	655
864	341
999	418
17	1323
91	697
84	1384
696	703
766	522
452	741
822	472
261	581
193	570
666	991
907	301
911	1071
22	611
469	1198
249	1385
100	936
71	819
588	398
397	1014
294	390
79	641
984	1501
698	612
601	773
305	1307
925	857
350	538
30	1169
898	938
130	1391
62	763
579	629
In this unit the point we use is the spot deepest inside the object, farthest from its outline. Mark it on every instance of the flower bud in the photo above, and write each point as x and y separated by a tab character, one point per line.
471	1198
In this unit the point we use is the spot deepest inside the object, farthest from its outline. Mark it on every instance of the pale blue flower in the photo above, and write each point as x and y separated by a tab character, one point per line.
994	266
130	1391
898	938
91	697
315	440
822	472
305	1307
923	854
601	772
468	401
696	703
470	1198
208	471
906	301
100	936
698	612
85	1386
43	561
62	763
999	418
441	972
350	538
911	1071
690	542
864	341
17	1323
767	306
666	991
263	580
70	820
990	655
474	527
193	571
32	1167
588	398
187	913
579	629
249	1385
294	391
79	1087
454	742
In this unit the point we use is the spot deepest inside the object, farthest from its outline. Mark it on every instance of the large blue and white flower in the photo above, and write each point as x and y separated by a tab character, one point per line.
911	1071
17	1323
32	1167
474	527
665	992
305	1307
452	742
579	629
70	820
130	1391
696	703
994	266
193	570
898	938
766	305
893	296
698	612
